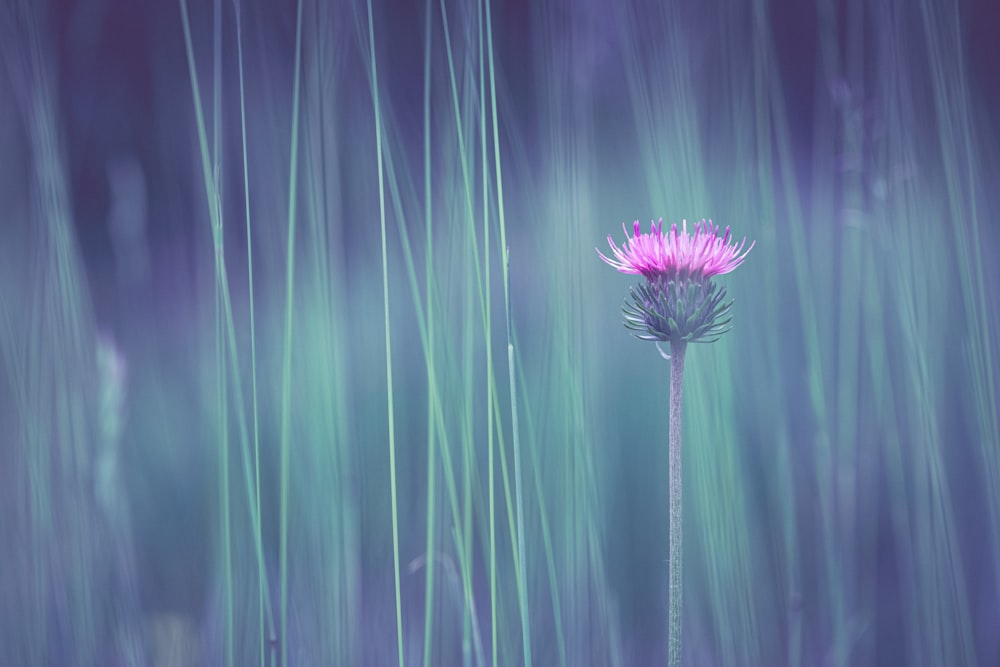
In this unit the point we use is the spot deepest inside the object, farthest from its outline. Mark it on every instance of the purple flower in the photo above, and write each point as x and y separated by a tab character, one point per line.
677	254
679	303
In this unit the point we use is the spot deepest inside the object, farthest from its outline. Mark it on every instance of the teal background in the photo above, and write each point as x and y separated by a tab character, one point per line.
379	405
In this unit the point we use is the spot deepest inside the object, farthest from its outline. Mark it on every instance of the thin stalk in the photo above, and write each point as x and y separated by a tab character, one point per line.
498	173
676	580
522	593
258	533
491	444
388	337
467	454
227	531
549	551
286	374
431	390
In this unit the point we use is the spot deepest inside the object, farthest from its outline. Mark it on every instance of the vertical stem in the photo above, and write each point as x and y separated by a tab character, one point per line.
393	499
676	580
522	589
429	354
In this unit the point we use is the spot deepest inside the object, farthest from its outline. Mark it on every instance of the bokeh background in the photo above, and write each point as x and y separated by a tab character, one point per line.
308	358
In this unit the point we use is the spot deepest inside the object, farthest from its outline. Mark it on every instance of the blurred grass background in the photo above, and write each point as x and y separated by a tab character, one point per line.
291	223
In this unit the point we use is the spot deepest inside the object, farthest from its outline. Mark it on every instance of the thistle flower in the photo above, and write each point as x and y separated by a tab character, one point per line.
679	302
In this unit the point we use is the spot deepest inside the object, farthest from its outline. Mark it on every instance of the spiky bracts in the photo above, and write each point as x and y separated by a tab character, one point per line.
677	311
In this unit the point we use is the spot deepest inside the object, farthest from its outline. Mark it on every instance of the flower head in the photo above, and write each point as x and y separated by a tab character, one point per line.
679	303
677	254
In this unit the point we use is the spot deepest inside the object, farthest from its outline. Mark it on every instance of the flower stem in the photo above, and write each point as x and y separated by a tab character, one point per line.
676	580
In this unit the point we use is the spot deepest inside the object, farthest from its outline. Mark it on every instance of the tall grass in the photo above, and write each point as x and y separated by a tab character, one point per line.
428	438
